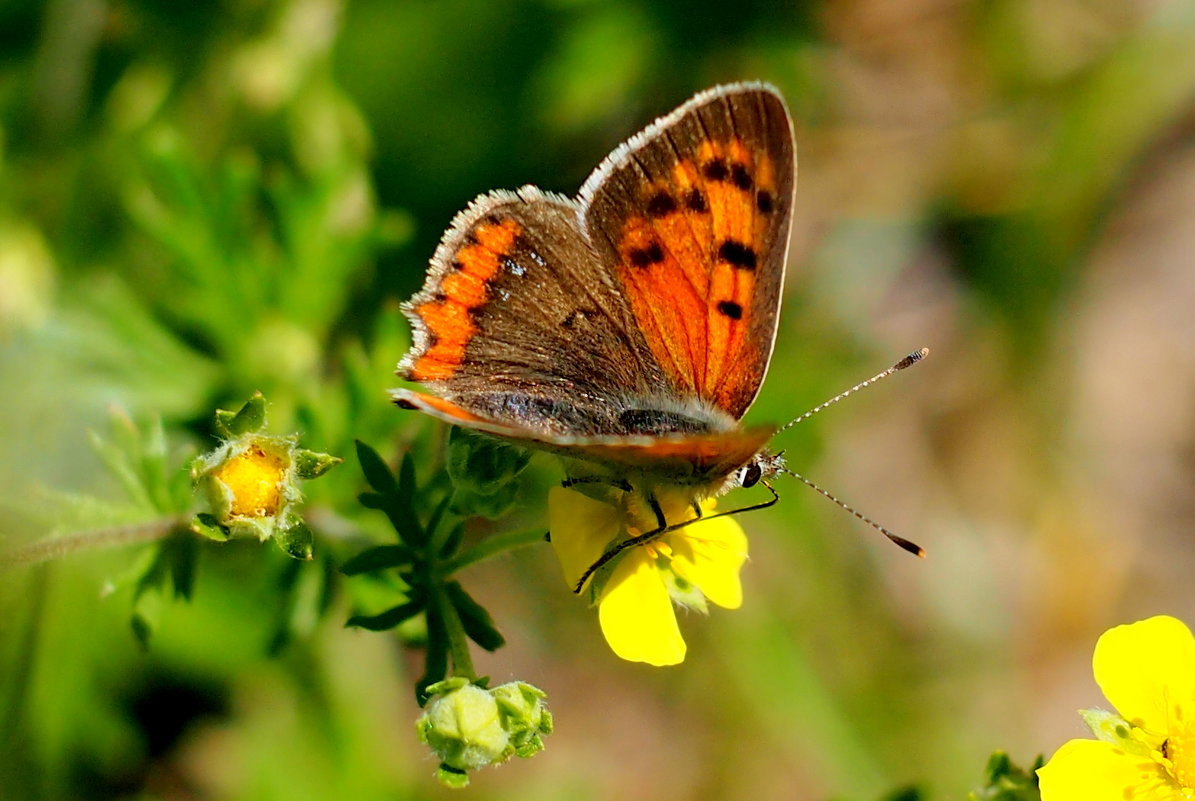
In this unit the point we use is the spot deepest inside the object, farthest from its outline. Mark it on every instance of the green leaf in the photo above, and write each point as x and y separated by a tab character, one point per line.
376	472
184	559
408	487
1008	782
381	557
452	541
388	619
476	620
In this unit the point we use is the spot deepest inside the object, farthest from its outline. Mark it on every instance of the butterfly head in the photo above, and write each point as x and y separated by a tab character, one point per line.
763	466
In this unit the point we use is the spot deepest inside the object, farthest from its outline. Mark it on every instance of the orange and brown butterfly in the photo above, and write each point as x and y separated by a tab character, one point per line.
627	329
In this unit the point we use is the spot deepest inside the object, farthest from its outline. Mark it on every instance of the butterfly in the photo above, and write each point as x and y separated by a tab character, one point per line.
628	329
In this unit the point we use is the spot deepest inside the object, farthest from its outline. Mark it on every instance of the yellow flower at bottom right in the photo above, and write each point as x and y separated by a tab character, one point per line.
1146	752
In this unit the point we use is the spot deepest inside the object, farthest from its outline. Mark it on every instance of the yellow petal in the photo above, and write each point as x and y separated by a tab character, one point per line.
709	554
581	527
1147	671
636	613
1093	770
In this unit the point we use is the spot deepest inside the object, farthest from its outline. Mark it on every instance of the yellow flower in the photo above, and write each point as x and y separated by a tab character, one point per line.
1147	752
255	477
634	596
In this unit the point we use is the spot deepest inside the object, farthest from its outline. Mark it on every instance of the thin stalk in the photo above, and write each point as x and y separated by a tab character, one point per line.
491	546
115	536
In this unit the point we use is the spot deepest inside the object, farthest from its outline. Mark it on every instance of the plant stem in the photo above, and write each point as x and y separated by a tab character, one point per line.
491	546
458	643
57	547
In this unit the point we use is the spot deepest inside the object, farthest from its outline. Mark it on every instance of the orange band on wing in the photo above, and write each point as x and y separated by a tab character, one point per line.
448	315
689	264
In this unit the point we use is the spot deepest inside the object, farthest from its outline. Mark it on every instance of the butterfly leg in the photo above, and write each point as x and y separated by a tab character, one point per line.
663	529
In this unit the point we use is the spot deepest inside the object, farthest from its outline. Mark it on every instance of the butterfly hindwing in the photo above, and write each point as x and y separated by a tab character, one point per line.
517	316
696	458
693	216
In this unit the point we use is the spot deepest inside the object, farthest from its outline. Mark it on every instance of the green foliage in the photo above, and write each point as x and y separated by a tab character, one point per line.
198	201
1008	782
423	562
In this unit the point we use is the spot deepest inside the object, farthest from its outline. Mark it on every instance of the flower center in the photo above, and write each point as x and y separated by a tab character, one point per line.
253	477
1181	751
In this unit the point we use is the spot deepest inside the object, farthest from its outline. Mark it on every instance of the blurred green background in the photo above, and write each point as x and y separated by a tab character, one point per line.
199	200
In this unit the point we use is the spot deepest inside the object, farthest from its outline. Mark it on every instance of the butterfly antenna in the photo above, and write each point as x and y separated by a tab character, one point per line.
907	361
909	546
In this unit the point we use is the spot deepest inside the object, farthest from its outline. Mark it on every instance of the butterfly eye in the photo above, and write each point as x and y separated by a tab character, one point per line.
750	475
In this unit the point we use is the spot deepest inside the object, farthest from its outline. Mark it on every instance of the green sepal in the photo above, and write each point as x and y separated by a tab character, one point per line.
493	506
296	540
312	464
388	619
451	777
381	557
682	591
249	419
477	622
482	465
1112	728
208	526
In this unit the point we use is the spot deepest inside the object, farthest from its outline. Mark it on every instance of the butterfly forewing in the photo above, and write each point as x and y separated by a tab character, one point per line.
693	215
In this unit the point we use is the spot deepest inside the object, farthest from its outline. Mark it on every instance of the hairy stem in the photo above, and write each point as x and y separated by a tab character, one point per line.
115	536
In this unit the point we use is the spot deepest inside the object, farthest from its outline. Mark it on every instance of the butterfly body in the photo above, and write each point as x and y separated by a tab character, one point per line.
627	330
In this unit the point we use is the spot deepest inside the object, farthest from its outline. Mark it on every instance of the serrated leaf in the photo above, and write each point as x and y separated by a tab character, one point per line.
375	470
381	557
117	462
388	619
476	620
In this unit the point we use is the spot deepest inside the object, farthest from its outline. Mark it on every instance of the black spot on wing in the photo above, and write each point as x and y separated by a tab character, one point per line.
740	177
695	201
715	170
661	204
647	256
731	309
764	202
737	254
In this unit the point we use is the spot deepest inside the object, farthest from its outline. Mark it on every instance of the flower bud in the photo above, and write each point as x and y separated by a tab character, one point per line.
251	482
469	727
